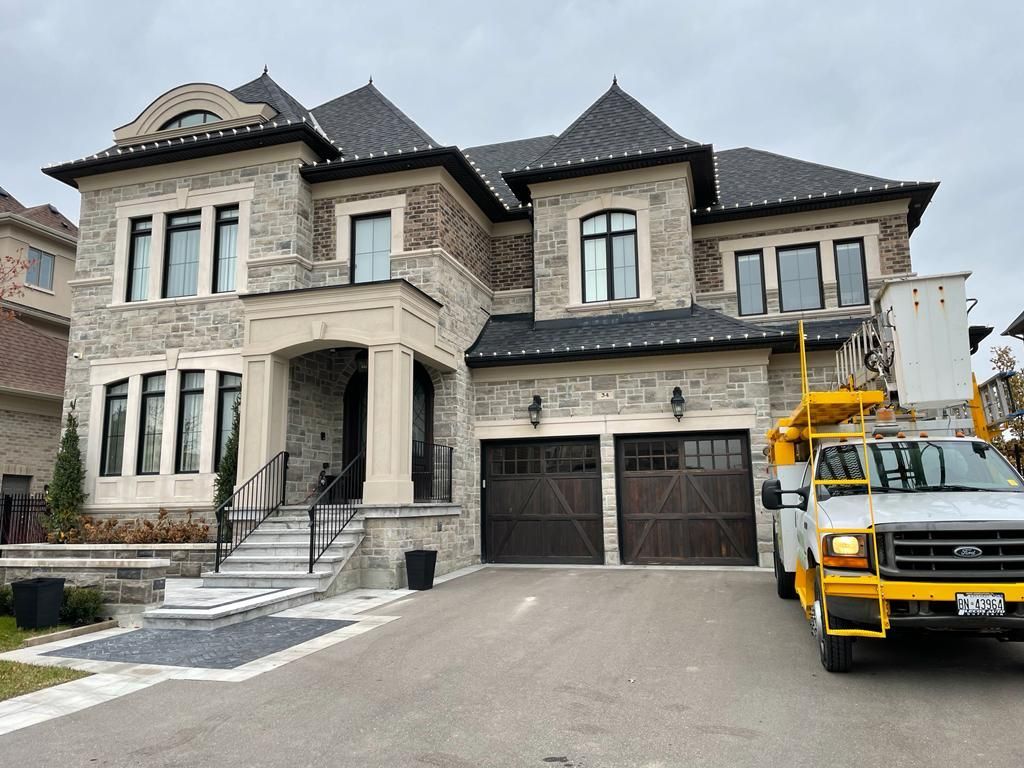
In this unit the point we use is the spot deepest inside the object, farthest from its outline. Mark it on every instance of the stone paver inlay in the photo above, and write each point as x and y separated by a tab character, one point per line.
223	648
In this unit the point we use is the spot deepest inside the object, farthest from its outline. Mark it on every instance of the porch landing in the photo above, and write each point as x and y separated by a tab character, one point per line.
190	605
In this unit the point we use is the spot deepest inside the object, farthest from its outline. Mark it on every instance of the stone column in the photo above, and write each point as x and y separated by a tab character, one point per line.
263	415
389	425
609	502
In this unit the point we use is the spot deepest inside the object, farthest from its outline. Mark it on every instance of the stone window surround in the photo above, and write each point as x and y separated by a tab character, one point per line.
123	487
160	207
345	212
574	218
824	239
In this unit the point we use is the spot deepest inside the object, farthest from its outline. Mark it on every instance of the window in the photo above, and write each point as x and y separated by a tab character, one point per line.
15	485
181	272
115	410
151	426
800	278
138	259
228	393
225	250
750	283
190	421
371	248
851	274
188	119
40	269
609	256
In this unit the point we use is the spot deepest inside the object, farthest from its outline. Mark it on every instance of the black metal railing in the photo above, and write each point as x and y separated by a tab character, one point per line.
250	505
431	472
334	507
22	518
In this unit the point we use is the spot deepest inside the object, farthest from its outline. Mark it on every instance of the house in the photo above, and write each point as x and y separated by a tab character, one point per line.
565	348
33	341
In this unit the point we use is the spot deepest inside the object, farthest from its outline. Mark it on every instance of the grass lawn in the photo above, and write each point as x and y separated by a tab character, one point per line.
15	678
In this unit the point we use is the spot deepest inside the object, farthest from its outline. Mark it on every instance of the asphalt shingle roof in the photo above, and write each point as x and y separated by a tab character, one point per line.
32	361
493	159
364	121
46	214
265	90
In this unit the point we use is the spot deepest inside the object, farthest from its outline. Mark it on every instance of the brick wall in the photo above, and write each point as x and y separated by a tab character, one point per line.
512	262
28	446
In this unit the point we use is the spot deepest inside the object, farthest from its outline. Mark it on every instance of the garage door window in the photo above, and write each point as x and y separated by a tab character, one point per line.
566	459
714	454
652	456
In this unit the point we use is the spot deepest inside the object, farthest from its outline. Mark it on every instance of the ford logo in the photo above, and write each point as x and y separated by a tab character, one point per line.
967	552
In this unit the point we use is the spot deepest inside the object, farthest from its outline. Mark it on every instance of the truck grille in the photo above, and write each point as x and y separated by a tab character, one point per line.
928	551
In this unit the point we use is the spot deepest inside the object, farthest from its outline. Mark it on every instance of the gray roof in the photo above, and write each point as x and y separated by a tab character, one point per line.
364	121
491	159
264	90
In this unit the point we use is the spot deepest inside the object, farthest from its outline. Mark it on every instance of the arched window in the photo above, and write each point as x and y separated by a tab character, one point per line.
609	256
188	119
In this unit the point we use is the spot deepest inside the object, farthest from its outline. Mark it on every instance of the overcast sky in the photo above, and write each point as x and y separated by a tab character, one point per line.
913	91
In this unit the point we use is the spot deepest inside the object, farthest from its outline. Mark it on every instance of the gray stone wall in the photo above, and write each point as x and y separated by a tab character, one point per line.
185	560
785	385
28	446
512	303
671	246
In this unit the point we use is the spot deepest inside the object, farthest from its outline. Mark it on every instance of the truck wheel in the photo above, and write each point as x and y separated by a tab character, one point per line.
836	651
785	583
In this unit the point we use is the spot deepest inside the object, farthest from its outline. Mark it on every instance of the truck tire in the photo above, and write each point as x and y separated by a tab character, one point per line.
836	652
785	583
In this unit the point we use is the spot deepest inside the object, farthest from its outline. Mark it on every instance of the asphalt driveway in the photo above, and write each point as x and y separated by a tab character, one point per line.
581	668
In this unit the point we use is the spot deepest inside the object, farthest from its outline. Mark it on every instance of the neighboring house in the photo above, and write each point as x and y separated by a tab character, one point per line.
378	297
33	342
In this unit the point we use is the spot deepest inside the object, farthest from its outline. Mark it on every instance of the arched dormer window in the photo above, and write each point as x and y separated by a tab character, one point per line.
188	119
609	253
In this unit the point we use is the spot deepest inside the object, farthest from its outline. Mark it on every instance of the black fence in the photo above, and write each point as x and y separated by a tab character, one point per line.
250	505
431	472
22	519
334	507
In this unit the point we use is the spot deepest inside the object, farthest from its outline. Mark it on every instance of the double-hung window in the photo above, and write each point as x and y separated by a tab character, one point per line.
190	421
851	273
138	259
229	391
371	248
151	424
181	256
750	291
114	416
225	250
800	278
609	256
40	269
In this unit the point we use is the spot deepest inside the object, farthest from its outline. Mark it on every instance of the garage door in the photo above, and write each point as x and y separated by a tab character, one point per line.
542	502
686	499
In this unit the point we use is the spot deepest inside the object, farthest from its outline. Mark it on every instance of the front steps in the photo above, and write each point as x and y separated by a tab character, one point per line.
234	610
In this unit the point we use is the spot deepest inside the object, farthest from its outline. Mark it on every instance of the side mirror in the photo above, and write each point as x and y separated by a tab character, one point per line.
771	496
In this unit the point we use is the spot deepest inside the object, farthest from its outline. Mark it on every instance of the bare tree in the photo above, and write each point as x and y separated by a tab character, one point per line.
1010	439
12	267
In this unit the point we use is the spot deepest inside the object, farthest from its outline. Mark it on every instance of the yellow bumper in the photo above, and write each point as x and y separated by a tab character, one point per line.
867	587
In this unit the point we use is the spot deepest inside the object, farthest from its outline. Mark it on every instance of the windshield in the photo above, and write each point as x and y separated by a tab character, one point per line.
926	465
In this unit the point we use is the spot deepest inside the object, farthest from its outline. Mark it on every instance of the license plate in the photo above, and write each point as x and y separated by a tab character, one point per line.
980	604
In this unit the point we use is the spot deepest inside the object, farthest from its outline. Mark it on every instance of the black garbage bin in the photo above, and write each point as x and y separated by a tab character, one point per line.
37	602
419	567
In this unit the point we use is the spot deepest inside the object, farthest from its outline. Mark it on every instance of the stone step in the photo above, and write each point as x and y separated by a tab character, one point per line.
232	612
284	549
243	562
318	581
292	537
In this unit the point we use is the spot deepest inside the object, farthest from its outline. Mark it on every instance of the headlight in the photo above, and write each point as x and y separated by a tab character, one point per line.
846	550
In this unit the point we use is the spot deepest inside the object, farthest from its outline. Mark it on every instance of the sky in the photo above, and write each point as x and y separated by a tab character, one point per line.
913	91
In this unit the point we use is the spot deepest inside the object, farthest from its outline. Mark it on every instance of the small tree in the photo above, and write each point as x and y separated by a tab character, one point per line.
1011	435
65	495
227	470
11	268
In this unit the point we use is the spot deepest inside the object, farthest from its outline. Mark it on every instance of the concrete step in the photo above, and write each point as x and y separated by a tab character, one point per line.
250	548
233	612
319	581
294	536
242	562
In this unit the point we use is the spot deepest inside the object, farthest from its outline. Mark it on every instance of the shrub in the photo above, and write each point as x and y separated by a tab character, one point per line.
227	470
6	601
65	496
81	605
164	530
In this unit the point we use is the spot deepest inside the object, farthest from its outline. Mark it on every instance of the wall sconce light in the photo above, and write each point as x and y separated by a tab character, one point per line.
678	403
535	409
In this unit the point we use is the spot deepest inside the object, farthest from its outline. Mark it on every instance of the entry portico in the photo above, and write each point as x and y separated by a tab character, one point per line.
395	322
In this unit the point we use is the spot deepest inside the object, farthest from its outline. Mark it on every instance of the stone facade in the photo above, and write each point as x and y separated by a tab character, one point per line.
31	457
185	561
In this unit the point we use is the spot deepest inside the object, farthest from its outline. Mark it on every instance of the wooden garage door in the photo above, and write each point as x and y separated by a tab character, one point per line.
542	502
686	499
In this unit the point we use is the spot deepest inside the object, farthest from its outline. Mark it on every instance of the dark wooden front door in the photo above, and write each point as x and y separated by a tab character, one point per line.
686	499
542	502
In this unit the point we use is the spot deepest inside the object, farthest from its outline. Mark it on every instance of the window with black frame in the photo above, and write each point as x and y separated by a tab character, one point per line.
799	278
190	119
151	423
229	392
371	248
181	256
750	293
609	254
115	410
225	250
851	273
190	421
138	259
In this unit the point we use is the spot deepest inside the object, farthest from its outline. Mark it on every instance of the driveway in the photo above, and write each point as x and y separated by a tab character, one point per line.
572	668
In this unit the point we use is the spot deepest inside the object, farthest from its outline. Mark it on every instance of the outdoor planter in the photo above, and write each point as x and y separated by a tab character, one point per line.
37	602
419	567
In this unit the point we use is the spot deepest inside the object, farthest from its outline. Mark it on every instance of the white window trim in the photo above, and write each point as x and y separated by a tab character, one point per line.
159	207
643	251
345	212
